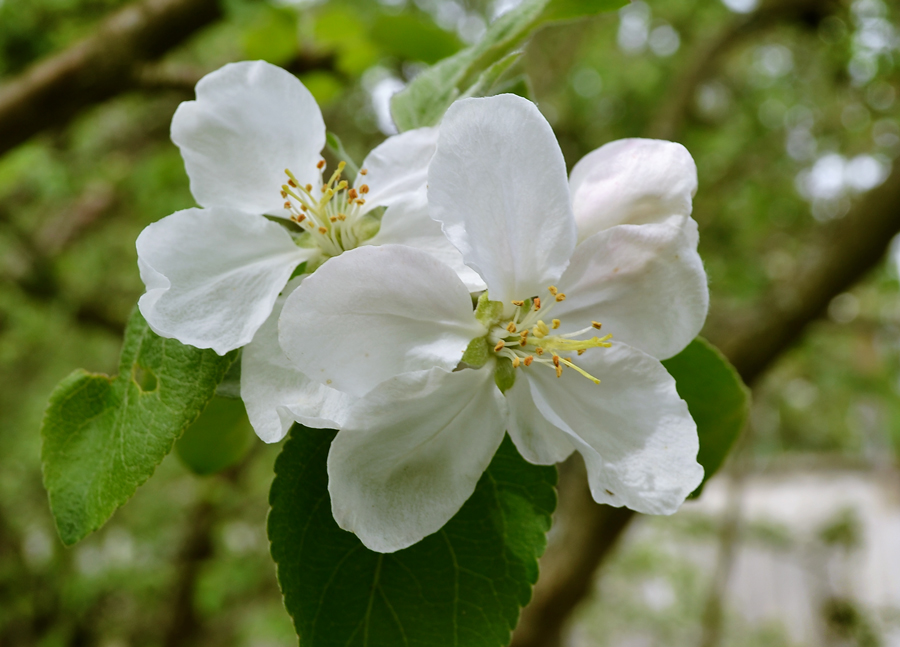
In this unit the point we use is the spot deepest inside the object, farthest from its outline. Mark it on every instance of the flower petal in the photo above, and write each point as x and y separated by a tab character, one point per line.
497	183
632	181
213	275
375	312
397	169
411	454
637	438
407	223
644	283
276	394
250	122
539	441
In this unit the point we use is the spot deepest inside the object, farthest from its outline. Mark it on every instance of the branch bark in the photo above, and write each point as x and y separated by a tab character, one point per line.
105	64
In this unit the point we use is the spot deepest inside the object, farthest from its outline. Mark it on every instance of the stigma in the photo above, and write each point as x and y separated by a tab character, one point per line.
331	212
526	339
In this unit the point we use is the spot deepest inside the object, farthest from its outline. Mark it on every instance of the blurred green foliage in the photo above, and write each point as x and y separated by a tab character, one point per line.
775	125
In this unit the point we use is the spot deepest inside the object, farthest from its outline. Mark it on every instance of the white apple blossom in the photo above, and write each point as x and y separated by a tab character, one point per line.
251	145
436	384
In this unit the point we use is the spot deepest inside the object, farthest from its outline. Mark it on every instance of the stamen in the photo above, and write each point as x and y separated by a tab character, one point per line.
323	230
518	304
308	188
539	351
320	165
580	370
559	371
552	290
560	297
556	360
537	303
528	360
511	327
516	361
596	324
500	344
556	323
364	189
364	171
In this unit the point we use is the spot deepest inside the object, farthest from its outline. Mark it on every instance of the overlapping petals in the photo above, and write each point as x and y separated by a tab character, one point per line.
213	275
497	186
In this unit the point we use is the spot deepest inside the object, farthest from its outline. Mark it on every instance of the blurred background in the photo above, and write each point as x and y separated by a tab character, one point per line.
789	108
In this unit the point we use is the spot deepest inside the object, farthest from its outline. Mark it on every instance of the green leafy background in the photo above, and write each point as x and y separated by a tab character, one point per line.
186	561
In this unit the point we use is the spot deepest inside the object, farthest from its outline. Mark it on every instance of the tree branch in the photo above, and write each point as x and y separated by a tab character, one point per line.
97	68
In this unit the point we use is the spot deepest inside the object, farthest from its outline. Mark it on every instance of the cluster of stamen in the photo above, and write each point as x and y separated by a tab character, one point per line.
331	212
526	339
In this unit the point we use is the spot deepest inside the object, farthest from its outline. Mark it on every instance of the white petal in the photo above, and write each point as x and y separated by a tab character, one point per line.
539	441
632	181
397	169
636	436
250	122
407	223
375	312
644	283
276	394
497	183
411	455
213	275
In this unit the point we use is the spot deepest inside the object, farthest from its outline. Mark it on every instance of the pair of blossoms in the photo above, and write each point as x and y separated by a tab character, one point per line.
382	336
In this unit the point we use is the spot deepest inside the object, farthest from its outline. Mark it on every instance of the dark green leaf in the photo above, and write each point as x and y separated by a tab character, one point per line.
464	585
414	38
103	436
424	101
716	397
218	439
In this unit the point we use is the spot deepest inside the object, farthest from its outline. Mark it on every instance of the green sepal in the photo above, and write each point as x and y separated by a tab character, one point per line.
488	312
717	399
334	144
477	353
504	374
104	436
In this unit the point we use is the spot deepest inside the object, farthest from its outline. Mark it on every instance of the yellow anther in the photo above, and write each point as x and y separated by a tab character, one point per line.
539	351
560	297
292	183
529	360
364	189
323	230
516	362
555	359
363	171
518	304
499	346
287	205
581	351
324	188
555	324
596	324
342	185
308	188
352	194
284	194
301	218
540	330
320	165
559	371
341	217
303	207
552	289
333	218
511	327
537	303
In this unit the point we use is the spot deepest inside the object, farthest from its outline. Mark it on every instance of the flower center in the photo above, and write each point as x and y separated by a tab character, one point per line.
525	338
332	213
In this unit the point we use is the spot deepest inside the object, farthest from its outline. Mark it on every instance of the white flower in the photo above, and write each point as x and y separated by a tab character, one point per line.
437	384
213	274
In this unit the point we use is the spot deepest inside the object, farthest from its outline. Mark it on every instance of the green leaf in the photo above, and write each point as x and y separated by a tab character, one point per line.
413	38
424	101
717	398
104	436
273	36
218	439
463	585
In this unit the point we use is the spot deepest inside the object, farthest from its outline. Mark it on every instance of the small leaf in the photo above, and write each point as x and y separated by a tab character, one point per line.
218	439
463	585
424	101
103	436
717	398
